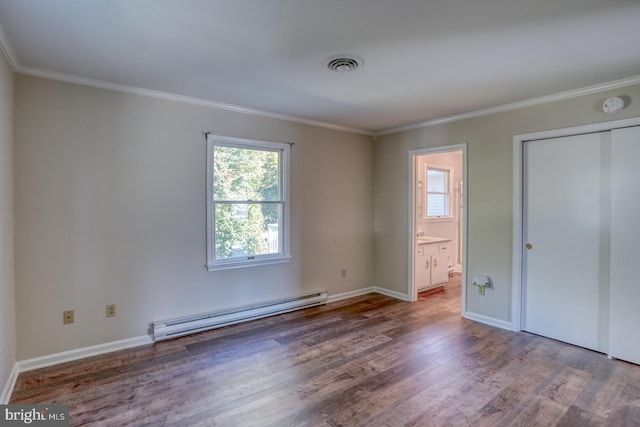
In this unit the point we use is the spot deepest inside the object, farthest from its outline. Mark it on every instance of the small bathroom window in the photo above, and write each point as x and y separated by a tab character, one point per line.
438	193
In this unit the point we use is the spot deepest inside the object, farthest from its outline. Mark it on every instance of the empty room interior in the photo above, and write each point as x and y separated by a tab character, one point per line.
277	213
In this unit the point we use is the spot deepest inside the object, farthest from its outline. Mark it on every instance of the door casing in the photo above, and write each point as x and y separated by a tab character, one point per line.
411	288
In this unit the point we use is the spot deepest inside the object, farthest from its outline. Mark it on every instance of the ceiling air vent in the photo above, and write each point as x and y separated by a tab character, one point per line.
343	63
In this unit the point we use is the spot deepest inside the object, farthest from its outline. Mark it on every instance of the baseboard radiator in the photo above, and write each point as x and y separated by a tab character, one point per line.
173	328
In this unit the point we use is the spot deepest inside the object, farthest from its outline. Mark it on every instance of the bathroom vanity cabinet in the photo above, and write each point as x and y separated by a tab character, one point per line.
431	263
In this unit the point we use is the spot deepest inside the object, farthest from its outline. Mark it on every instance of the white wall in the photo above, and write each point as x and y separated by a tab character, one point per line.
489	188
7	308
110	209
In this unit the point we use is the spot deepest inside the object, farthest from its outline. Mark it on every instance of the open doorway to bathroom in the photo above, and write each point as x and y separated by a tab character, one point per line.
438	223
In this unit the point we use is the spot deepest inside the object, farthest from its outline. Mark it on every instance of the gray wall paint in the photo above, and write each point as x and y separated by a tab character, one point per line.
489	186
110	209
7	306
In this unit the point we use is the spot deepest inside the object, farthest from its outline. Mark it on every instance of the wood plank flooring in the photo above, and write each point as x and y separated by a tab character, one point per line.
366	361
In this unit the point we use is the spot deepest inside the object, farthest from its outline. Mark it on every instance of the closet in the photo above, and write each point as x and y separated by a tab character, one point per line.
581	201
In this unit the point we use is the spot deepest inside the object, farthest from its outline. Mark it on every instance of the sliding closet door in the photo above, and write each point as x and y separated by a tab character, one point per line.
625	241
566	263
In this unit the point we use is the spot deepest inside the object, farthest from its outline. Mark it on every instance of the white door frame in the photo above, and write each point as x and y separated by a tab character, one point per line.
412	291
517	281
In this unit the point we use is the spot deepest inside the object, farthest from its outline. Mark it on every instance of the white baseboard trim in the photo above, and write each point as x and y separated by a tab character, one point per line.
364	291
349	294
392	294
487	320
66	356
11	383
81	353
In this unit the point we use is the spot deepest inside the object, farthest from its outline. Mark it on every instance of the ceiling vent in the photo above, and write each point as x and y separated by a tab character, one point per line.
343	63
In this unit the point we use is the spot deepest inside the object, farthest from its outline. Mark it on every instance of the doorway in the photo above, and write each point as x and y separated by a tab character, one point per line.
437	219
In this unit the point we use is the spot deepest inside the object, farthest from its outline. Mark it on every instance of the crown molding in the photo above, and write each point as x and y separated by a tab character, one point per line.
101	84
70	78
15	65
516	105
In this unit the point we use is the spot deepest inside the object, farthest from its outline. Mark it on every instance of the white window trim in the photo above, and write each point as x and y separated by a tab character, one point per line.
285	255
441	218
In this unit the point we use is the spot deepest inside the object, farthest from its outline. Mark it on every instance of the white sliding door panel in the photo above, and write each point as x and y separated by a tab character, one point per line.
567	267
625	240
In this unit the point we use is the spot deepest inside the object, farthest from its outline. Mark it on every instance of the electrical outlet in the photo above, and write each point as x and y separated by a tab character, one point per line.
67	317
111	310
343	273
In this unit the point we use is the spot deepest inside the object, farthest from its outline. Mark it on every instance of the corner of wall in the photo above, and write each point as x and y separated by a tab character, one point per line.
7	275
392	294
8	388
487	320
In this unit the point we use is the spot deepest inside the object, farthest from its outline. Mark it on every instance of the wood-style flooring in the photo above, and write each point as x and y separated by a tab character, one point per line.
366	361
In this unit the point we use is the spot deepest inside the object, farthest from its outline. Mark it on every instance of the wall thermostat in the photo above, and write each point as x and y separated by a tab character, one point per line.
613	104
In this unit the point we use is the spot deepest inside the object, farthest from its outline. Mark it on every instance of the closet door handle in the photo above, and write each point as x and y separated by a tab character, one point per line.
435	262
427	262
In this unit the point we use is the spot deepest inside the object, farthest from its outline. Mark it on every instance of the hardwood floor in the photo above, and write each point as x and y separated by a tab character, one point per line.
370	361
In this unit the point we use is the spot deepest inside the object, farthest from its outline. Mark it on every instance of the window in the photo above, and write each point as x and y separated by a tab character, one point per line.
438	189
247	202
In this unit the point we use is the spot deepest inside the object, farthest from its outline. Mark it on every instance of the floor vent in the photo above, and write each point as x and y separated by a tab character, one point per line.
172	328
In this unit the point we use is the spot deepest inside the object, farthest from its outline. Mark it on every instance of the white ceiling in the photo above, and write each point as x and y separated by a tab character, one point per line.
424	59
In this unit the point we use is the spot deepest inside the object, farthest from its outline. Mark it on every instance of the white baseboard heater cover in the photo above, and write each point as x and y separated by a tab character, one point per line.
173	328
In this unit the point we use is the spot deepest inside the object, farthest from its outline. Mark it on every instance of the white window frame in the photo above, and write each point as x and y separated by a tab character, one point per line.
450	177
284	255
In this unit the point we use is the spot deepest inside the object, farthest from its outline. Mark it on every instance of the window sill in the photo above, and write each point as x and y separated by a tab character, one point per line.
441	219
247	263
